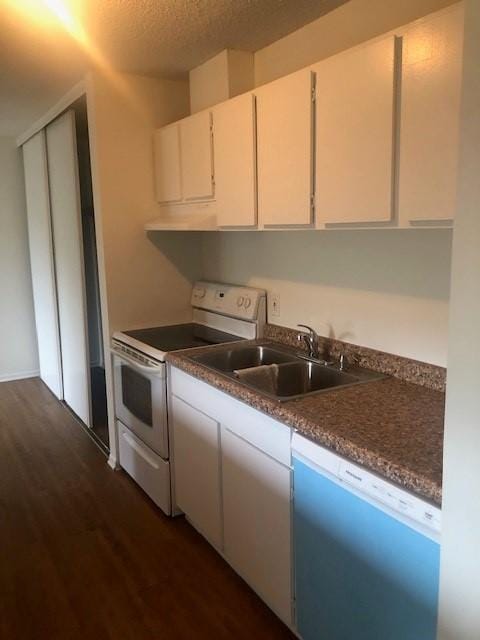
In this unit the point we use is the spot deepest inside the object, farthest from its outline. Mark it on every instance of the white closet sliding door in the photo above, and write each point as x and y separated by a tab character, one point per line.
69	264
41	262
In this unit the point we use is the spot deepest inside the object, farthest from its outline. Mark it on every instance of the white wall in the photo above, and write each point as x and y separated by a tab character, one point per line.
385	289
348	25
460	558
18	343
144	280
148	278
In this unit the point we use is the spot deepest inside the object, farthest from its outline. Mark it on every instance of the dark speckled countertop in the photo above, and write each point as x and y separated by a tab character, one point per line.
392	427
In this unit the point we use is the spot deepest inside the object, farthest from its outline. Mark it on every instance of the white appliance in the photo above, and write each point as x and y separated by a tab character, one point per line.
221	313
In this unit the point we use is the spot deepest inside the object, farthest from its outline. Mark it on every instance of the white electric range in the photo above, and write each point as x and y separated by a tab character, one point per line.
222	313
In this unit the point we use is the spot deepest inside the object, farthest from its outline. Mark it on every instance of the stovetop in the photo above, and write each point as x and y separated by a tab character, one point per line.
180	336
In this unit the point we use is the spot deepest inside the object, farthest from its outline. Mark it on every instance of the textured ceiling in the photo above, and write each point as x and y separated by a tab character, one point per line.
152	37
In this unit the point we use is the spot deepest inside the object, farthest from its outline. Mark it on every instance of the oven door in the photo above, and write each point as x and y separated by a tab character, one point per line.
140	400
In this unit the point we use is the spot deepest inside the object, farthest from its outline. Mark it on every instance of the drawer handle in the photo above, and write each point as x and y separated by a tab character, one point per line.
140	450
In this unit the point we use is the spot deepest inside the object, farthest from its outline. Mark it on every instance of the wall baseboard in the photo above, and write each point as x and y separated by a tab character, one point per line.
20	375
113	463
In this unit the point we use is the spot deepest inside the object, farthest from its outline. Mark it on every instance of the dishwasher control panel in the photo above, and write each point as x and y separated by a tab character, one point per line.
369	485
392	496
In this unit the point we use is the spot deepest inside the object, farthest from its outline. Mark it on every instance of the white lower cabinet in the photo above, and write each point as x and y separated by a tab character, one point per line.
196	456
233	478
256	520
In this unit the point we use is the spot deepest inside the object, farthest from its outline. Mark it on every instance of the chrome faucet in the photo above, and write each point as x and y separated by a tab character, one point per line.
311	340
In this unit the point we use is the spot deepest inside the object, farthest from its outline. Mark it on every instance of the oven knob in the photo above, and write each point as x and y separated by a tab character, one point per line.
200	293
248	302
240	301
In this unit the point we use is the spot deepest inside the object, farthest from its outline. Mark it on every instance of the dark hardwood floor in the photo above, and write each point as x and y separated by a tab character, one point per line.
85	555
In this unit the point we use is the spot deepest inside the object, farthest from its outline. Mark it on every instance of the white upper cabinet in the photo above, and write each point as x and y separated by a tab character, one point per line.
285	151
355	110
367	137
196	156
167	164
235	162
183	153
429	139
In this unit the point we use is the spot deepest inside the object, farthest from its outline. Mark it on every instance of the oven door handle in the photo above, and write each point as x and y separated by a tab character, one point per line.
137	365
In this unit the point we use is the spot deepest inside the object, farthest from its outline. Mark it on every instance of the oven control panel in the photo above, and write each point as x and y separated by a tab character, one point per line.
230	300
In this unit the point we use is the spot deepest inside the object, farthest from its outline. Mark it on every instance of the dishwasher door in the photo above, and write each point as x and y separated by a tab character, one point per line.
360	573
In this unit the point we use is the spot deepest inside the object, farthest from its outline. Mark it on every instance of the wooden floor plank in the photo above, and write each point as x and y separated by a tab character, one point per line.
85	554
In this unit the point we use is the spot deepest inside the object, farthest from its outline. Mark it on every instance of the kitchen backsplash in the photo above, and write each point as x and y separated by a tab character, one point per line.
421	373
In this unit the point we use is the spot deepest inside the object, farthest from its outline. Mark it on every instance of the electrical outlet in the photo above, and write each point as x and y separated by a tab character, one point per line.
275	305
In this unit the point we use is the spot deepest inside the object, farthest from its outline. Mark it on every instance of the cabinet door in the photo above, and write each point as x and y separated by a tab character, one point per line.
167	164
355	93
429	139
196	460
285	153
196	156
41	261
256	508
234	139
69	263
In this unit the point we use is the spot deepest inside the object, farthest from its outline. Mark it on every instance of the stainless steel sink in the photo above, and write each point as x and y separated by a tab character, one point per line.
295	379
293	376
229	360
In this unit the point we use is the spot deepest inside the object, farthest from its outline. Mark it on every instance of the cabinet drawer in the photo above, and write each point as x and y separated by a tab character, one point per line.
150	471
270	436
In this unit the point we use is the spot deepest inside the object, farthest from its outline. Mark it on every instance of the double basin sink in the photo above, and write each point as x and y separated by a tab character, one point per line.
280	373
